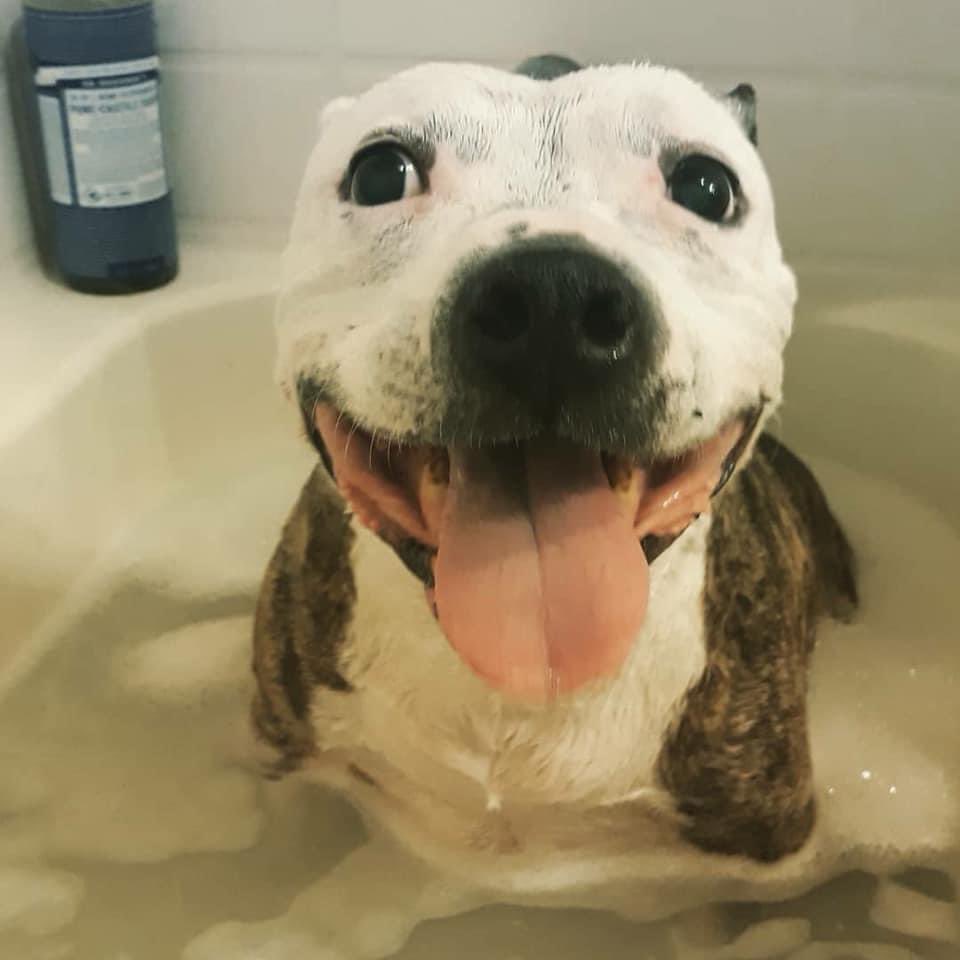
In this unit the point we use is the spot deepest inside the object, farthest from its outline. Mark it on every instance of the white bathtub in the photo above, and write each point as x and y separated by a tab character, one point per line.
141	498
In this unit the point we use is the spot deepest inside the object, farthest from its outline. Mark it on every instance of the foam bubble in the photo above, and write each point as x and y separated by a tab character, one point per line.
366	907
910	912
191	662
771	938
97	771
128	744
38	901
848	949
205	541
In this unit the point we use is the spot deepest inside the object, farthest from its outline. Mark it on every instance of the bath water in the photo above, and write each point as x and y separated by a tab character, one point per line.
133	825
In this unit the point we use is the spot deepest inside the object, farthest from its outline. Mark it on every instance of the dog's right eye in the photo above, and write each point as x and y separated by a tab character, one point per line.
384	173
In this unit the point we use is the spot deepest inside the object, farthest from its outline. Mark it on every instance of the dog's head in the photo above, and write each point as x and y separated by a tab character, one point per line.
533	321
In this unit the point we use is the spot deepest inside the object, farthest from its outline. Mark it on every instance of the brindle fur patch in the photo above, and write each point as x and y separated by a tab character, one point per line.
306	602
738	760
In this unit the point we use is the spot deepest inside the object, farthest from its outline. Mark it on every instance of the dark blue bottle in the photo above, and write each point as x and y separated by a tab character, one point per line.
101	198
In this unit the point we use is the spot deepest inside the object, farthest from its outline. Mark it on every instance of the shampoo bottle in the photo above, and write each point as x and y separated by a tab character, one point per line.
85	88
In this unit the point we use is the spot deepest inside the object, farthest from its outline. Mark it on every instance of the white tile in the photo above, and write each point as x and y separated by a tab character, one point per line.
9	11
864	173
290	26
870	36
15	231
360	73
14	225
240	130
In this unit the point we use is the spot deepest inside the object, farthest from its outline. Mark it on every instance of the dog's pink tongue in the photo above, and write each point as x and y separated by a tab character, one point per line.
541	583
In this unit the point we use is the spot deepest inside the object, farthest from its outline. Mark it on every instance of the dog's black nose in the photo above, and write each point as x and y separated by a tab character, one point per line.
549	321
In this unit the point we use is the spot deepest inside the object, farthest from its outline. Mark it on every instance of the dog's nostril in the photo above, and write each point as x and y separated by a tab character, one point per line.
604	322
546	320
505	317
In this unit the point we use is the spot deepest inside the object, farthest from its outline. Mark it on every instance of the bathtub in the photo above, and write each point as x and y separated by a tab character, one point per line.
140	496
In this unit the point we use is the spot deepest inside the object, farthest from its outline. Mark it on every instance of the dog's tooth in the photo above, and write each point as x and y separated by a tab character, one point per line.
432	487
438	466
620	473
628	492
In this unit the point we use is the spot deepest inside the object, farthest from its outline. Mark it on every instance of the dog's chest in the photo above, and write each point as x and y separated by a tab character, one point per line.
431	735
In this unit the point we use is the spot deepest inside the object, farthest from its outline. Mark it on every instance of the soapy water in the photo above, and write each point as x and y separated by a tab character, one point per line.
134	825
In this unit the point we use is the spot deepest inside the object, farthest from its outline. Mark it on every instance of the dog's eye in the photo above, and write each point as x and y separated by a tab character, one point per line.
705	187
383	174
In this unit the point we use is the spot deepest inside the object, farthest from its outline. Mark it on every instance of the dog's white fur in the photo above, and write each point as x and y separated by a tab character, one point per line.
466	775
459	773
358	294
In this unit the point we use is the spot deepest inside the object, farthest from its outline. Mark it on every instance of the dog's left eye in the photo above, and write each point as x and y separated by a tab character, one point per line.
383	174
705	187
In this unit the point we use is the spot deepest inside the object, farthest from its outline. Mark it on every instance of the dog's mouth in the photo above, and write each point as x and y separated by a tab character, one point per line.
536	555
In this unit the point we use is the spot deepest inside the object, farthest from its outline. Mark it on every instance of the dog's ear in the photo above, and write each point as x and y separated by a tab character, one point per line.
742	103
334	107
548	66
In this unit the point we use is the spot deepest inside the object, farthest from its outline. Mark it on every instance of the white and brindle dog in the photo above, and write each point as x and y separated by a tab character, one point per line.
534	323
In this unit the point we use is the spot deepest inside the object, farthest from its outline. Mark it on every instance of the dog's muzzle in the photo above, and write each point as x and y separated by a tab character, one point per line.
546	334
534	517
551	324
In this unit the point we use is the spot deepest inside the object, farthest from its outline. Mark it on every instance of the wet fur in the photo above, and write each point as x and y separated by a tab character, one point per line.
738	761
702	733
305	605
735	764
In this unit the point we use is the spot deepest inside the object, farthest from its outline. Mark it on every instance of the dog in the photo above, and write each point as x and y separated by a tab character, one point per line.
551	590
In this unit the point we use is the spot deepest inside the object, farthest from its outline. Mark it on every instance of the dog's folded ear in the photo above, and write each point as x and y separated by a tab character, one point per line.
547	66
742	103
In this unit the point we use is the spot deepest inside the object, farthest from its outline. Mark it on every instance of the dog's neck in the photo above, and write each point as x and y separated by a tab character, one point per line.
424	707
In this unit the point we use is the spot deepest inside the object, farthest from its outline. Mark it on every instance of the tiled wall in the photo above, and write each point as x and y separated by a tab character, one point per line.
860	99
13	212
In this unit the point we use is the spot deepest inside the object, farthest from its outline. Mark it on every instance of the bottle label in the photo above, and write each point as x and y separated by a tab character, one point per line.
101	133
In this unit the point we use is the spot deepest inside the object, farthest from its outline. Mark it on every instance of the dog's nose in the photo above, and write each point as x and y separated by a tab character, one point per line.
548	321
